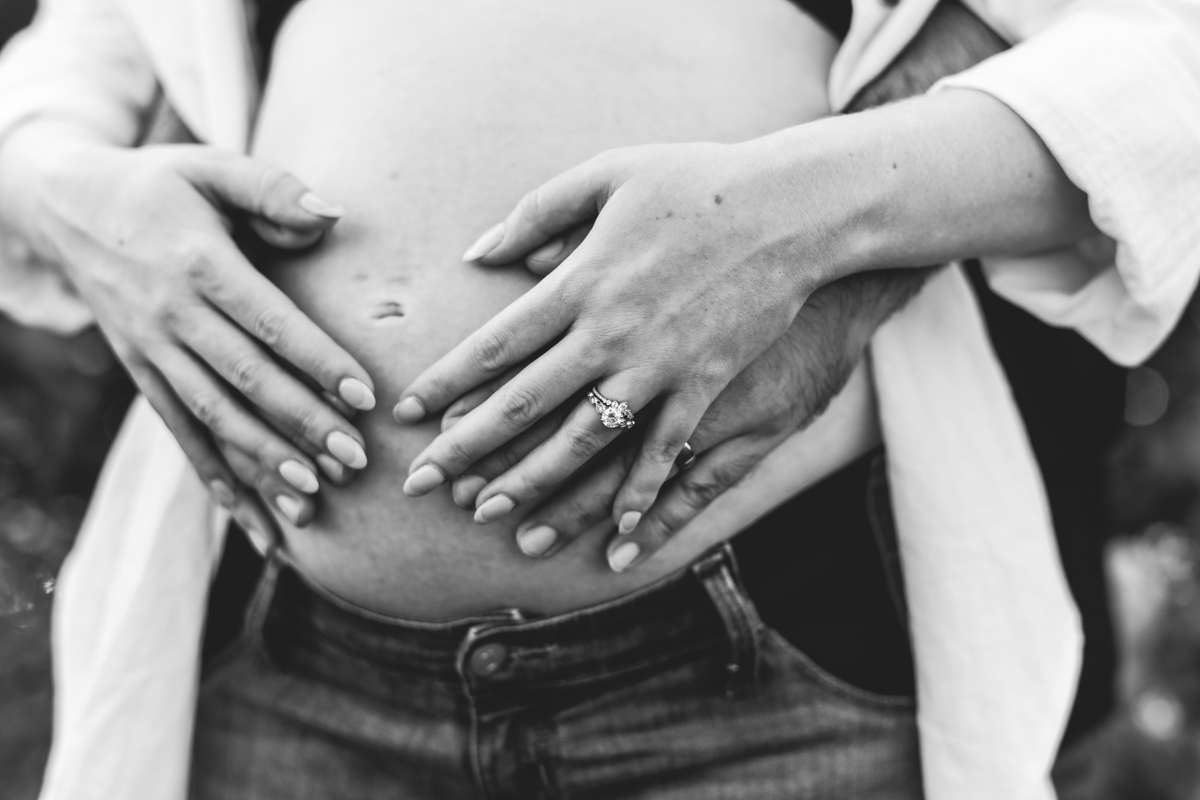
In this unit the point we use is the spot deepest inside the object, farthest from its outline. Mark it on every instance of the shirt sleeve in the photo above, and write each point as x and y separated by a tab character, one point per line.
1113	89
80	61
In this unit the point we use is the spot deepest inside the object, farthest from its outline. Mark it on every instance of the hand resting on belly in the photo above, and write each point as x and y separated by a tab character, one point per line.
425	120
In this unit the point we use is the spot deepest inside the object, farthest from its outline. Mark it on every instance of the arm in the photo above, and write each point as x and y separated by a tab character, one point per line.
782	391
1122	117
701	255
144	235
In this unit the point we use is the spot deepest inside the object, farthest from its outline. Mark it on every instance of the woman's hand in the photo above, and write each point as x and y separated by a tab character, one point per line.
781	392
145	236
680	284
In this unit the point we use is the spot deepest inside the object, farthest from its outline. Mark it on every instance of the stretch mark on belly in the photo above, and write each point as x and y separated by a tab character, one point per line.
389	310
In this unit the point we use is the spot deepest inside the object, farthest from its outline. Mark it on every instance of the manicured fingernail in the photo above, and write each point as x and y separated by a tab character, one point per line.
548	252
424	481
467	488
357	394
623	555
485	244
536	541
409	410
290	507
299	476
331	467
494	508
224	494
313	204
346	450
629	521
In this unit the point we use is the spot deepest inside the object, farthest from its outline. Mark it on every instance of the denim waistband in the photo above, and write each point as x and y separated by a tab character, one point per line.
701	607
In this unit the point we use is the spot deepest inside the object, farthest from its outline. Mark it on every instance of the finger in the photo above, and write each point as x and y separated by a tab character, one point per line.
296	410
581	437
467	486
258	188
282	236
540	388
543	260
193	439
564	201
229	423
526	326
296	507
237	289
669	430
577	507
475	398
683	498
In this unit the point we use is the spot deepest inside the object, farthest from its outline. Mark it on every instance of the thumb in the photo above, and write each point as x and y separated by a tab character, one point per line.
287	209
574	197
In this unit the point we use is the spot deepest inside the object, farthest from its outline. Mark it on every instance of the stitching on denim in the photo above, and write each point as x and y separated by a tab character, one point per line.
882	702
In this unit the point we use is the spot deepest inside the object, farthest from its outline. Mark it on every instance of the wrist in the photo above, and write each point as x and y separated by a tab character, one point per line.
31	156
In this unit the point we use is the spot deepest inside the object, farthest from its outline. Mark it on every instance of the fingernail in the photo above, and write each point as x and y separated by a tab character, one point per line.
629	521
346	450
485	244
290	507
494	508
409	410
331	467
424	481
313	204
224	494
299	476
357	394
548	251
623	555
535	541
467	488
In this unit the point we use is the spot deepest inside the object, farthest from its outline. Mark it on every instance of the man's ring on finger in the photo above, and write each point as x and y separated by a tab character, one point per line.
686	457
613	413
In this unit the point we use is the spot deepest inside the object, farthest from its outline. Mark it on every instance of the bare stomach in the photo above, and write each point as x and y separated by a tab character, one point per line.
428	121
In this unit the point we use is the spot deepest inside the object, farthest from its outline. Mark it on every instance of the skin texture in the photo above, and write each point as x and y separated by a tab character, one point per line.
145	237
389	282
744	233
781	391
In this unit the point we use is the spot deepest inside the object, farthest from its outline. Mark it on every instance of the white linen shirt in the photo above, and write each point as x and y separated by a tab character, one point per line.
1112	87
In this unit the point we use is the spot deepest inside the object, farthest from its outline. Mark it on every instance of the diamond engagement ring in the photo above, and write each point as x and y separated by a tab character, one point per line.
613	414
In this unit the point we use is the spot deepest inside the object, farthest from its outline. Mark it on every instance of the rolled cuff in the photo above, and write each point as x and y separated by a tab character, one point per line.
1113	89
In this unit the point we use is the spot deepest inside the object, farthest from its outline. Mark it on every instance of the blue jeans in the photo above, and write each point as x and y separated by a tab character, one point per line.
675	691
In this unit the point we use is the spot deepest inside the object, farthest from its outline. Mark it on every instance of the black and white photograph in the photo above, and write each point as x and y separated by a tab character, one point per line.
581	400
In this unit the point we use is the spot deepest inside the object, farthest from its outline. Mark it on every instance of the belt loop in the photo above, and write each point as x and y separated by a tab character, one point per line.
264	593
718	573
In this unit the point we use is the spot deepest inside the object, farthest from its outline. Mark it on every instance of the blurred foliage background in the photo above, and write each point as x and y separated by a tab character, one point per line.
62	401
61	404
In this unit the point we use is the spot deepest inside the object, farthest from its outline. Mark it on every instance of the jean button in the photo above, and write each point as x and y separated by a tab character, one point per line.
488	659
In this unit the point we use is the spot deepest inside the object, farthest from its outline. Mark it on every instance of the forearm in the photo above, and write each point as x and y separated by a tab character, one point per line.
953	39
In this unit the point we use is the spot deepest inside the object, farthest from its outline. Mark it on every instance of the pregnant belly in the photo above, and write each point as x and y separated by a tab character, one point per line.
428	121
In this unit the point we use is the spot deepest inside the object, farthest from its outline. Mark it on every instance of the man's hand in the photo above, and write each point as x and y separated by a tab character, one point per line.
145	236
778	394
814	361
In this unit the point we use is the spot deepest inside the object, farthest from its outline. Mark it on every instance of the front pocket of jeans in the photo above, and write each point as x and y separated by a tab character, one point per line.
793	656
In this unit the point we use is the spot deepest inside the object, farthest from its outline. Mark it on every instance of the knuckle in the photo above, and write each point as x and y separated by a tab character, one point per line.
488	352
206	408
457	458
582	443
249	376
520	407
696	492
194	259
307	424
270	326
